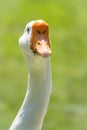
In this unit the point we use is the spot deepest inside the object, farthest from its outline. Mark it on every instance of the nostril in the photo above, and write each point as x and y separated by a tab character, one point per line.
38	43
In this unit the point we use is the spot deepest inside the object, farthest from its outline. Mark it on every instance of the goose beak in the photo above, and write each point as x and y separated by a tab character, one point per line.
40	43
43	48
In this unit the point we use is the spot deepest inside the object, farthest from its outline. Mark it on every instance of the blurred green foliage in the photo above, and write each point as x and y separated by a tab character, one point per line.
68	33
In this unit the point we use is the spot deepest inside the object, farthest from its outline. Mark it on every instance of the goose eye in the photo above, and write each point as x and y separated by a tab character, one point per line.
28	29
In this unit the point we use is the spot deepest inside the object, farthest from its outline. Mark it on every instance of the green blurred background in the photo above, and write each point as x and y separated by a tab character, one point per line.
68	33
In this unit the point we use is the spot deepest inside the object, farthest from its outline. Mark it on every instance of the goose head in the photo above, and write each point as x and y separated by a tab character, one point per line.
35	39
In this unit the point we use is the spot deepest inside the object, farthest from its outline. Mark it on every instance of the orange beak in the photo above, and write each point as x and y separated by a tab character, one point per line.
40	39
42	48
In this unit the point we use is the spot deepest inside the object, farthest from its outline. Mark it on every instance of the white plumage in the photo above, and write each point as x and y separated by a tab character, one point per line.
35	45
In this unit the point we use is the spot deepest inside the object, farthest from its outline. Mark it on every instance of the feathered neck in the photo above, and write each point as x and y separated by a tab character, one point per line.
32	112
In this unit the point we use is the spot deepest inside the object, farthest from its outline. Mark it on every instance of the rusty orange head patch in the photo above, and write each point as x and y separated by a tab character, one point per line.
39	42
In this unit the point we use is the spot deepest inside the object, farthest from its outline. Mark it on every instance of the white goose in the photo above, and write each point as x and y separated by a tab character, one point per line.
35	46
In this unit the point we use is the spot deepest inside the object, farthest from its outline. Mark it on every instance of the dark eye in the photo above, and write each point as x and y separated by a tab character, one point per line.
28	29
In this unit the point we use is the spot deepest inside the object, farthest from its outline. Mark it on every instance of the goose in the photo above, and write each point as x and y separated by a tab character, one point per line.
36	49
